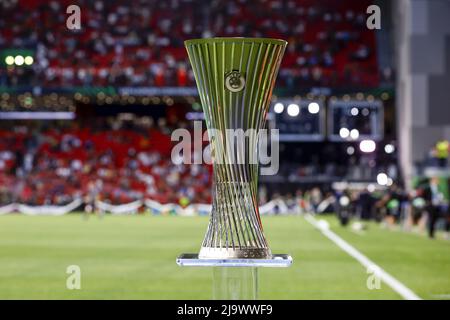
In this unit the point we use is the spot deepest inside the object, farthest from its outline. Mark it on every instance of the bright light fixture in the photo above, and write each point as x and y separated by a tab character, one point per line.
313	108
382	179
29	60
19	60
344	133
354	134
278	107
9	60
367	146
293	110
389	148
354	111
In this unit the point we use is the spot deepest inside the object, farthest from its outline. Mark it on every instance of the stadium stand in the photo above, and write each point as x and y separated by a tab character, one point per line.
140	43
95	161
55	162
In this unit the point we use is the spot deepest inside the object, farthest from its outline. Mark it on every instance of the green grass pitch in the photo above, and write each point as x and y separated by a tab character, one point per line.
133	257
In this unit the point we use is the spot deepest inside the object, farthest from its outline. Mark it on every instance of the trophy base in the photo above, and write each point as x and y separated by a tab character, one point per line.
274	261
230	253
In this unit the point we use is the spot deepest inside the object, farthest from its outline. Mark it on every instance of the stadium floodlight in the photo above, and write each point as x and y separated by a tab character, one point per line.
19	60
367	146
382	179
365	112
226	70
389	148
344	133
9	60
313	108
293	110
354	111
29	60
350	150
354	134
278	107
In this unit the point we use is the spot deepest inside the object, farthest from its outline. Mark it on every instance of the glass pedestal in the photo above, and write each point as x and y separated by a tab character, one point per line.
235	279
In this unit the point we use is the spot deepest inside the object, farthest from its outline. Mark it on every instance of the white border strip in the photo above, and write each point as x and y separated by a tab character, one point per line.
396	285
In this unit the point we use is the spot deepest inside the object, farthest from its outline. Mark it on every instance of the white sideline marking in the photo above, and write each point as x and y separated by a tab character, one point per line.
396	285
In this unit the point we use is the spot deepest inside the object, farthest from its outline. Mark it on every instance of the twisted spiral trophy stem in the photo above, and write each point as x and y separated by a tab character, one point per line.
235	78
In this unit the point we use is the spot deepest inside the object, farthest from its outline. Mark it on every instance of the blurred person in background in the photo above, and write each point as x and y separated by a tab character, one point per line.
391	204
315	197
441	152
344	207
435	202
416	216
291	202
301	202
364	205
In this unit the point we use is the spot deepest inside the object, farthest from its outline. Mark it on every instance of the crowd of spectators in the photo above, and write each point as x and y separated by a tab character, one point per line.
140	43
120	160
96	160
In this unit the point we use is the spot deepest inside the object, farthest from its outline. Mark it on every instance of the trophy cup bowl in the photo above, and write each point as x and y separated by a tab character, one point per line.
235	78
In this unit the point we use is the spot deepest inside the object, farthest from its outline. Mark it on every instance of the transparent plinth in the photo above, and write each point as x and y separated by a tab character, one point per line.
234	283
235	279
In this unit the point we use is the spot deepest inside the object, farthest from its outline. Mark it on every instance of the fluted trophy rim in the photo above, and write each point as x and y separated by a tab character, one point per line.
235	39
